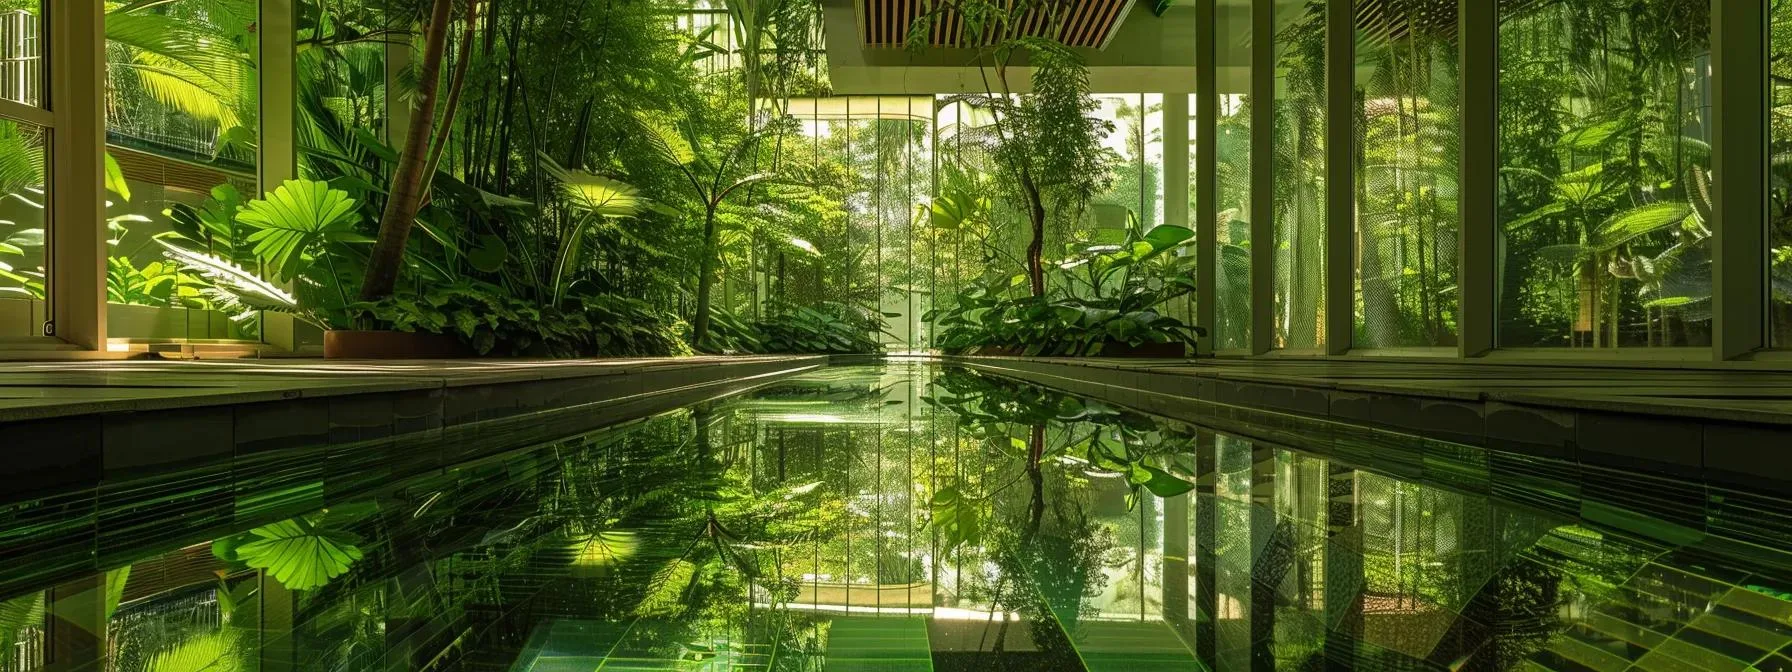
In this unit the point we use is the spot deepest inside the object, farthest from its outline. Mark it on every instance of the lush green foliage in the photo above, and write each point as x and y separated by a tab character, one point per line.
1106	295
494	323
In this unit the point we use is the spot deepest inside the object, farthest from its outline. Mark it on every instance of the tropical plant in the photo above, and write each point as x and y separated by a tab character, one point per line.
195	60
1045	144
409	181
290	226
302	553
491	321
1107	294
711	176
826	328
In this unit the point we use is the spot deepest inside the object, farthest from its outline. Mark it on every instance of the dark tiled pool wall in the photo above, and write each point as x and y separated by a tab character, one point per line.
1720	482
91	491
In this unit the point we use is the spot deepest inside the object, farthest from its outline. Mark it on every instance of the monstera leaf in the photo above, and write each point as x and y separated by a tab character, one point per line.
299	554
296	217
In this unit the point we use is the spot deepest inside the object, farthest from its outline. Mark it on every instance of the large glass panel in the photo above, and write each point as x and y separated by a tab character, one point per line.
1407	126
1232	148
1779	229
23	261
181	112
1605	174
1232	287
1300	174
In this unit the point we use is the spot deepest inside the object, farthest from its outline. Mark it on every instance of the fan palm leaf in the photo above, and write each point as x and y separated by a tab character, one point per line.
185	65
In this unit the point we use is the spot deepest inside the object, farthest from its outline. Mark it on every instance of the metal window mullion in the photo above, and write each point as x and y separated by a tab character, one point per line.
278	104
1340	174
1478	41
398	60
1176	178
1263	202
77	192
1207	113
1739	47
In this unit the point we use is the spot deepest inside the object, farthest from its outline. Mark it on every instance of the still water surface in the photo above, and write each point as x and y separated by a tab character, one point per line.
913	518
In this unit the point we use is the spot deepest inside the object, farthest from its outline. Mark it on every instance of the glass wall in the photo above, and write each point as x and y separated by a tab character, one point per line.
1779	213
1232	285
1300	186
1231	329
1605	169
23	264
1408	129
182	113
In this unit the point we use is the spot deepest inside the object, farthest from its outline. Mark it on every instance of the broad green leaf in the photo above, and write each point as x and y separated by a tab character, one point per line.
1592	137
597	552
293	220
300	555
490	255
115	182
1640	221
595	193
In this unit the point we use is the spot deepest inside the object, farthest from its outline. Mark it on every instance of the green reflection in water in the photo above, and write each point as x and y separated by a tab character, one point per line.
911	518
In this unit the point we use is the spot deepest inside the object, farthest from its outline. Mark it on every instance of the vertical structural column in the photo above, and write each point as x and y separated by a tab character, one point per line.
1175	565
1206	557
1207	196
398	60
76	621
1739	162
1269	564
1476	252
277	157
279	614
278	148
1263	162
77	174
1343	569
1340	172
1175	171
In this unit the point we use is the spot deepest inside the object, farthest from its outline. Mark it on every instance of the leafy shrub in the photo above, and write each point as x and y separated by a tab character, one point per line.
1109	294
492	322
829	328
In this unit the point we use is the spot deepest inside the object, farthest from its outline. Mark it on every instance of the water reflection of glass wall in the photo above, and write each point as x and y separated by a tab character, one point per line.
1300	186
1605	174
1408	129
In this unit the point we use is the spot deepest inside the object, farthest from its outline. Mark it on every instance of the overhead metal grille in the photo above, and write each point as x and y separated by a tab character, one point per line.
1078	23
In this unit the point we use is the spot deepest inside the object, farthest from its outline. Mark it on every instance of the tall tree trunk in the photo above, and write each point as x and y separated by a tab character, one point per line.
1035	246
463	60
706	269
407	182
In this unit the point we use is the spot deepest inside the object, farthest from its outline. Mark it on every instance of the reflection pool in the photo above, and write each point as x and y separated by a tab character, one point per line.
910	517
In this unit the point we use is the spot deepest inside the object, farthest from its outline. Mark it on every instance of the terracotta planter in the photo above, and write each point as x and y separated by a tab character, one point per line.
353	344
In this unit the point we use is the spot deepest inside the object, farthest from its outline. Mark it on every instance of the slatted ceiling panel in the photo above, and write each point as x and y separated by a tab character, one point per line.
1080	23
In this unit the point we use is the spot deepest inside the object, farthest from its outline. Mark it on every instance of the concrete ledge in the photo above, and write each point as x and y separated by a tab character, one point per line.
1712	478
88	490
